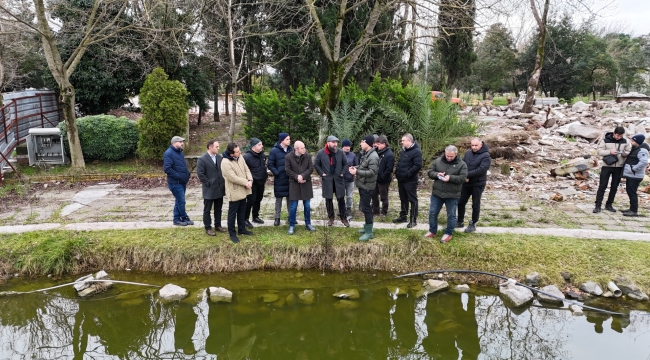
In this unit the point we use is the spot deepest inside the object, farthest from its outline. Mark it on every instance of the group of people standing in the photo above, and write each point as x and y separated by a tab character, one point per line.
242	179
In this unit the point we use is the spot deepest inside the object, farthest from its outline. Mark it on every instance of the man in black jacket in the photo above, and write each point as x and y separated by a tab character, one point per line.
478	163
408	167
256	162
208	170
384	176
330	164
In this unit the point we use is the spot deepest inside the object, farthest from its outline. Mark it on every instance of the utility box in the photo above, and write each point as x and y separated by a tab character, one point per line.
45	146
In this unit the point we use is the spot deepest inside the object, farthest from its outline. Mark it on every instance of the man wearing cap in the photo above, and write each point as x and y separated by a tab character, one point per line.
406	172
330	165
634	171
239	182
280	179
178	175
299	167
213	186
256	161
366	174
384	176
352	160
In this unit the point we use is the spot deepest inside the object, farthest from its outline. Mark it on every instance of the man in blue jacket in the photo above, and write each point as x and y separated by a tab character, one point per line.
280	177
478	163
178	175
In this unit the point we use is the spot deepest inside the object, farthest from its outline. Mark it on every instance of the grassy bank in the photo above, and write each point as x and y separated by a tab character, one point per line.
174	251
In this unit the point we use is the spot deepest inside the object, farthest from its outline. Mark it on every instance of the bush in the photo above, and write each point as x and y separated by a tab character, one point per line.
104	137
164	114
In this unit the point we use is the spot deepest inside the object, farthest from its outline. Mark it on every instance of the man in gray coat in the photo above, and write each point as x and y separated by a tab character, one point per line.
366	181
331	164
213	186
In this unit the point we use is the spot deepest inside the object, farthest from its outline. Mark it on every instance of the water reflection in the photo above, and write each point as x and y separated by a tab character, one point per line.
477	325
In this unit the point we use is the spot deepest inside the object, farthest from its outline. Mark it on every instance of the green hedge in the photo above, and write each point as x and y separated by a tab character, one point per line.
104	137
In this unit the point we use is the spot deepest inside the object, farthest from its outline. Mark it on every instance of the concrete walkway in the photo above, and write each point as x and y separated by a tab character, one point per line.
571	233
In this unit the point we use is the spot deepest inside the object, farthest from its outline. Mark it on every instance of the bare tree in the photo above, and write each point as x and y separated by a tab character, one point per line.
539	57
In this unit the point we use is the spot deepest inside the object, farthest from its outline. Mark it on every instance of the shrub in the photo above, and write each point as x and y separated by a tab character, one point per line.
104	137
164	114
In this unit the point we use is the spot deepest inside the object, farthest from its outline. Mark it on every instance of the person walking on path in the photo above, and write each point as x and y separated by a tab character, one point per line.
299	167
448	173
277	157
408	167
239	182
478	163
178	175
634	171
330	164
366	181
384	176
614	146
256	162
213	186
352	160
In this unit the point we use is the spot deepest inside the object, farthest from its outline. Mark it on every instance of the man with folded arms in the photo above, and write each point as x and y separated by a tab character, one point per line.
213	186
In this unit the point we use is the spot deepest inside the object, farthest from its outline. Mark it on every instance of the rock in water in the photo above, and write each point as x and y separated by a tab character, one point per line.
553	290
219	294
517	295
172	292
347	294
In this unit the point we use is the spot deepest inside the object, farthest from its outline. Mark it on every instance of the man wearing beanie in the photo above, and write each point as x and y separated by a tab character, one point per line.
615	146
406	172
634	171
330	164
213	188
352	160
366	174
280	178
178	175
256	162
384	176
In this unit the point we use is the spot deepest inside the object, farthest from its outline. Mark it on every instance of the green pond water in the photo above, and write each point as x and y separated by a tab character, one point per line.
131	322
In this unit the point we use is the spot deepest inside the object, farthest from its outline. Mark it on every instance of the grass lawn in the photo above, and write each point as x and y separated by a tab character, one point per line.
185	250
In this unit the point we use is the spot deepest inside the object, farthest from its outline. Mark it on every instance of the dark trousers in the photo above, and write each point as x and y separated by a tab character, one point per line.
631	186
254	200
408	196
236	210
380	192
364	201
208	204
475	192
329	204
605	173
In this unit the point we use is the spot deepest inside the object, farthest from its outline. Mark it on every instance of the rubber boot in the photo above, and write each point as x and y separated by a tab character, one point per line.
362	230
368	235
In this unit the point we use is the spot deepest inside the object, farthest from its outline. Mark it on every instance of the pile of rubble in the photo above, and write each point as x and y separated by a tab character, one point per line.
549	152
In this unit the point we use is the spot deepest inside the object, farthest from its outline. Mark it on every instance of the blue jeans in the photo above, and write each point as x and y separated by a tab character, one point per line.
434	210
178	190
293	207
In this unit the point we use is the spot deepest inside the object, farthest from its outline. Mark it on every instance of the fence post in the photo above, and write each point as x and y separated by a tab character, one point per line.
40	106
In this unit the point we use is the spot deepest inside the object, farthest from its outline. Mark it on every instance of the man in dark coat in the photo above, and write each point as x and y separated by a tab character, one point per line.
213	186
384	176
448	173
331	164
408	167
256	162
352	160
299	167
178	175
478	163
280	179
366	181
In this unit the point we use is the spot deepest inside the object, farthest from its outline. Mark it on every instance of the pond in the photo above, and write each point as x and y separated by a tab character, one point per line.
131	322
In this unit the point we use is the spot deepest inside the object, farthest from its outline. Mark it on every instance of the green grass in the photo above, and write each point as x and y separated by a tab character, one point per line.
126	166
185	250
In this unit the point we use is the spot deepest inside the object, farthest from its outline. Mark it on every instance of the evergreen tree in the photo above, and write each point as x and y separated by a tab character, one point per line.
456	27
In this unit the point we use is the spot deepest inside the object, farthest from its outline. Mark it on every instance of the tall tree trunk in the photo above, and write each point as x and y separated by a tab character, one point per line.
67	100
198	120
515	89
539	57
215	91
233	113
225	100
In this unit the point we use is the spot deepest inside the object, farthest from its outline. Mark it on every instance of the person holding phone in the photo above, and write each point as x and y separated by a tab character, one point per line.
612	144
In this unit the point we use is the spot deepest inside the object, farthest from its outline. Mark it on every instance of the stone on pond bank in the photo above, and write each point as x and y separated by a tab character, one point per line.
517	295
552	290
533	279
171	292
629	289
592	288
462	288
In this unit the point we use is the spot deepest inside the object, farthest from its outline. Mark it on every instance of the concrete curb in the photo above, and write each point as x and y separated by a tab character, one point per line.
571	233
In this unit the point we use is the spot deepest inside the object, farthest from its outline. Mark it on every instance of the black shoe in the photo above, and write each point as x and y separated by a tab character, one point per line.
276	222
245	232
188	221
631	213
180	223
610	208
626	211
471	227
248	224
460	224
596	209
257	220
412	224
234	239
401	219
